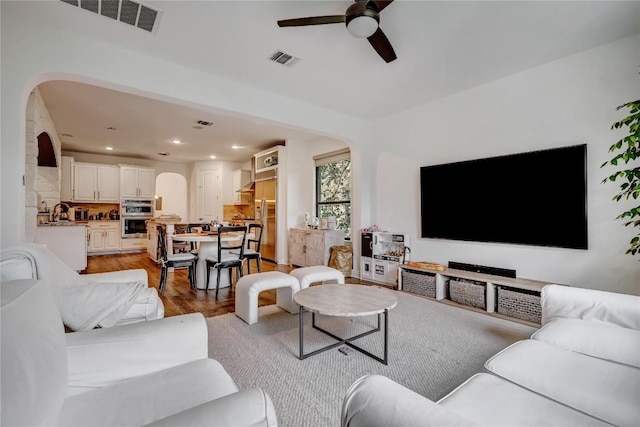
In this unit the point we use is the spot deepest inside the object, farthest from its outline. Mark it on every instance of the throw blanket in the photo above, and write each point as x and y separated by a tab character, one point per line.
83	304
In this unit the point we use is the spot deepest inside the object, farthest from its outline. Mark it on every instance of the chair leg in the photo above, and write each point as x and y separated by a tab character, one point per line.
192	274
207	282
218	282
163	280
258	262
195	276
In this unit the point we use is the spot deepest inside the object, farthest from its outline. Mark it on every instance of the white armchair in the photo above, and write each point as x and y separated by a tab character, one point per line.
85	300
153	372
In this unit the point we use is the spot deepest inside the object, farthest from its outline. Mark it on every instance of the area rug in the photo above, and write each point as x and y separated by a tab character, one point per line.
433	348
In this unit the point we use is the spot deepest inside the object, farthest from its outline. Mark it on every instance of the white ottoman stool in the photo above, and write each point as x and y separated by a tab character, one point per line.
249	286
319	273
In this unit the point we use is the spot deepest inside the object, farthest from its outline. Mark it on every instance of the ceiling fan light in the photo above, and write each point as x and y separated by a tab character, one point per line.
362	26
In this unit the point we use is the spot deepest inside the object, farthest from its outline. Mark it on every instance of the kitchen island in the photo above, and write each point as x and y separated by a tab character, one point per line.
67	240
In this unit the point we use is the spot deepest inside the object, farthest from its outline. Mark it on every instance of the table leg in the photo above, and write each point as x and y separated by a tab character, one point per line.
346	341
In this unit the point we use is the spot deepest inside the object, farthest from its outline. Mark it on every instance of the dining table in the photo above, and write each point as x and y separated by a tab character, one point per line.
207	247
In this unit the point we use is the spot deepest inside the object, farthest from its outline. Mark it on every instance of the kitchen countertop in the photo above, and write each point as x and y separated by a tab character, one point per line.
61	224
74	223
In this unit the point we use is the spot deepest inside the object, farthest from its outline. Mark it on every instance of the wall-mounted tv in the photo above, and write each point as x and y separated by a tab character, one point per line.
537	198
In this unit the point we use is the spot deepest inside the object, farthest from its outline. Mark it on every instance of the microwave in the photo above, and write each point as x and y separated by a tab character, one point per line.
137	208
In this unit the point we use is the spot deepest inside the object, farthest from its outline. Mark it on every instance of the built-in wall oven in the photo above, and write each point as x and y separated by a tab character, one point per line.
134	214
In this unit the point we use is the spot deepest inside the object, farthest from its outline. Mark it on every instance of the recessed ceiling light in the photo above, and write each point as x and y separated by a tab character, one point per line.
68	135
236	147
108	148
212	157
111	128
177	141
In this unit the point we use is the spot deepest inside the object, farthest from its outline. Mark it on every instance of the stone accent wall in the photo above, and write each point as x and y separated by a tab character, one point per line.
41	183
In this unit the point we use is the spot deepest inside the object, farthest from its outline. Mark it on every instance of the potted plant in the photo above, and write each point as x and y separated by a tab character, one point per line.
627	150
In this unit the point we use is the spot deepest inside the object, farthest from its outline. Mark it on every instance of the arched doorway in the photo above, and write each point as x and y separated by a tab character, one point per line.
171	189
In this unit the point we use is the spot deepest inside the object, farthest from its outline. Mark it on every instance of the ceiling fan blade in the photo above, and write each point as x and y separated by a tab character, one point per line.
312	20
381	44
380	4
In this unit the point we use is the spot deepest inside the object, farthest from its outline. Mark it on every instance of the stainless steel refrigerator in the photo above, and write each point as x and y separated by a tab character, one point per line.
265	211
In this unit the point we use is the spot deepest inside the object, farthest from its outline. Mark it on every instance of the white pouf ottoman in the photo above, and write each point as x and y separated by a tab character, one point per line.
318	273
249	287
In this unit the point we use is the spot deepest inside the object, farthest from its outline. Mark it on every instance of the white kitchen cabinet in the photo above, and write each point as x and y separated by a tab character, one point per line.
66	179
67	242
134	244
240	179
137	182
95	183
104	236
309	247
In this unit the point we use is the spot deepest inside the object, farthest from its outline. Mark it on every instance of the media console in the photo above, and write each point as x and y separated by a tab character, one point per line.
508	296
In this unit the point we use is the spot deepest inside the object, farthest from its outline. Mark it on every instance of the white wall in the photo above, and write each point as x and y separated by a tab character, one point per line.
567	102
173	189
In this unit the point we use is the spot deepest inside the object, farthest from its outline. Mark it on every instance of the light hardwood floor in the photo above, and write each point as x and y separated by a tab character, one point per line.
179	297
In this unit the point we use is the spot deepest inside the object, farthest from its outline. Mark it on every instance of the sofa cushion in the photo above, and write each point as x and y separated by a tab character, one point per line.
375	400
489	400
597	339
559	302
605	390
34	358
147	398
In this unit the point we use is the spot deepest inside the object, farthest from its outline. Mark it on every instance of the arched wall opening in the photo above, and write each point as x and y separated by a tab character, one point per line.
171	195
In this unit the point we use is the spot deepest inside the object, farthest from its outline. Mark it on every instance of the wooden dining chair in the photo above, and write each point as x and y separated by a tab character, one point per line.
252	251
231	242
174	260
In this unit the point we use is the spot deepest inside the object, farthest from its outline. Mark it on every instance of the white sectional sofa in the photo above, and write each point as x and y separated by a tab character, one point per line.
85	300
146	373
582	368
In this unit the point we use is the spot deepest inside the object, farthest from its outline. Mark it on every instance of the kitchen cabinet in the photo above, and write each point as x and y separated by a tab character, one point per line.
133	244
95	183
66	178
266	163
240	179
104	236
308	247
137	182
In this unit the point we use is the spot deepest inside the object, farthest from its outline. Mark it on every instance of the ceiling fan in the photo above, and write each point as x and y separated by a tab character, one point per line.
362	19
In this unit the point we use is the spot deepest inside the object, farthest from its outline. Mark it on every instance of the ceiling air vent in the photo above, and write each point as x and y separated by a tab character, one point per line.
283	58
203	123
126	11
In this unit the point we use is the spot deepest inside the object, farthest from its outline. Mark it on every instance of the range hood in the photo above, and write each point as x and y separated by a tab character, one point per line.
249	187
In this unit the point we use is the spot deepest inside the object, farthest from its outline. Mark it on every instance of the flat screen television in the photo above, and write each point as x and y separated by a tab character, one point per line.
537	198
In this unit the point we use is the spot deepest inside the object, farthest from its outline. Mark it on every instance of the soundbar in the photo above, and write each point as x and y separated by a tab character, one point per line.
496	271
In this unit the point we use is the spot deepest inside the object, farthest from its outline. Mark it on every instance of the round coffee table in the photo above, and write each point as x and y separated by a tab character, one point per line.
345	301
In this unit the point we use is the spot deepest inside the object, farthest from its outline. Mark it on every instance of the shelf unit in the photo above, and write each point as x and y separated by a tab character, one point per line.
528	289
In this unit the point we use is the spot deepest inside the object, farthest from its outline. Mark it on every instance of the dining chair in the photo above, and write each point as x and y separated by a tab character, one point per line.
174	260
195	228
254	252
182	247
231	242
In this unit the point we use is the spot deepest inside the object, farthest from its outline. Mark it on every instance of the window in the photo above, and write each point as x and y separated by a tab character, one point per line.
333	188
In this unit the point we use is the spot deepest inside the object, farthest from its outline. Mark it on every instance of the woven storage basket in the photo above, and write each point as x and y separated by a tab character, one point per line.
519	304
467	293
418	282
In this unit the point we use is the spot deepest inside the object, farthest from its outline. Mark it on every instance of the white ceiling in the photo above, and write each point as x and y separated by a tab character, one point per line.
443	47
